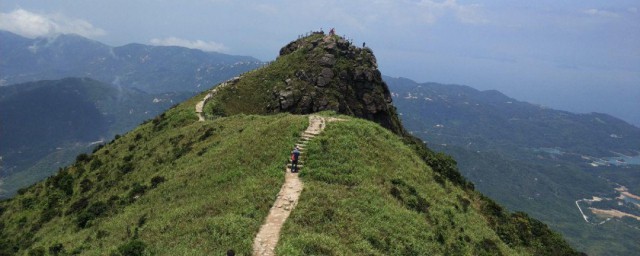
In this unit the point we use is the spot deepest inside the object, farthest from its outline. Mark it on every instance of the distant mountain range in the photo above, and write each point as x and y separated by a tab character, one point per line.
153	69
534	159
46	123
47	117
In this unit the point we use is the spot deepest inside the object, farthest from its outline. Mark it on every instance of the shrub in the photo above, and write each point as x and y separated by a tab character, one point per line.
487	247
83	158
113	200
27	203
155	181
95	164
101	234
56	249
22	191
132	248
85	185
78	206
53	199
22	221
136	191
409	196
83	219
65	183
38	251
126	168
206	134
48	214
142	220
92	212
464	202
98	147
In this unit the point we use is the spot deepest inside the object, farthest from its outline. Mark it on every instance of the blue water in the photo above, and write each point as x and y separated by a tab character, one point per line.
625	160
555	151
631	200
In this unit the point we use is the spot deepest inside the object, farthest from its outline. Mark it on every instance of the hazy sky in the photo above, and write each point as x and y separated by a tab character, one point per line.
579	55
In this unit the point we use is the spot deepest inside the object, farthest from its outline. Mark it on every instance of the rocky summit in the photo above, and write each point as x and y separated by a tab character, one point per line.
316	73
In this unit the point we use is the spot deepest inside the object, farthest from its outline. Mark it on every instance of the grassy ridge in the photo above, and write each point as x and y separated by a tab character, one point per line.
175	186
194	188
375	196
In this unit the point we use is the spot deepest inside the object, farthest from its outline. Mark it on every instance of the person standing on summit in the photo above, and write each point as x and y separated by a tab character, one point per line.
295	155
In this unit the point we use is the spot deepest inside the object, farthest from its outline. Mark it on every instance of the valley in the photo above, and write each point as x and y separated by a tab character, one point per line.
531	158
602	210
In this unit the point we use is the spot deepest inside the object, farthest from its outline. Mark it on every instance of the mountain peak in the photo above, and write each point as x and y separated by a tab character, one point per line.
314	73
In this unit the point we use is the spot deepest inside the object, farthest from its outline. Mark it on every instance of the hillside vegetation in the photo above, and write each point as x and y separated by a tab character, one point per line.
531	158
174	186
179	186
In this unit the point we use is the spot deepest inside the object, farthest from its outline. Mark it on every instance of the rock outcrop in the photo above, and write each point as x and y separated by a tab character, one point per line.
323	72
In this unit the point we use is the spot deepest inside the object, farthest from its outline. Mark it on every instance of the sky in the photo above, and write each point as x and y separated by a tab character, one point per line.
576	55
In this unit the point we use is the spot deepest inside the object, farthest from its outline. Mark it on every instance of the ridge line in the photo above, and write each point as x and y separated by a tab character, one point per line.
267	238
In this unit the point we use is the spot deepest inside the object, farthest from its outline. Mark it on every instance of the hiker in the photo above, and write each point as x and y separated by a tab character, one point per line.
295	155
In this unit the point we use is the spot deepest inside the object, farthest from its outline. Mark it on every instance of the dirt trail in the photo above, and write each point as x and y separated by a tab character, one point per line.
287	199
200	104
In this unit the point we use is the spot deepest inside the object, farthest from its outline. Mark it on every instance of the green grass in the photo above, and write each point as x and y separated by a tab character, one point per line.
254	92
175	186
375	196
221	178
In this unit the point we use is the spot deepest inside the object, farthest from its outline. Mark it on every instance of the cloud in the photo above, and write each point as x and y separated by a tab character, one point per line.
29	24
197	44
600	13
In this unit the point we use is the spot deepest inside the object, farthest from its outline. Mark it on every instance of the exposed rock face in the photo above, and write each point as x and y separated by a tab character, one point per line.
341	77
314	73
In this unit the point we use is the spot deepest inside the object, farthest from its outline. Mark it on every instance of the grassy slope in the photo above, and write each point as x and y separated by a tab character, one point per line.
362	196
375	196
256	86
217	192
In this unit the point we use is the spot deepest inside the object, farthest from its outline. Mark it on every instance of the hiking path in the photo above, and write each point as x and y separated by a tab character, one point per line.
287	199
